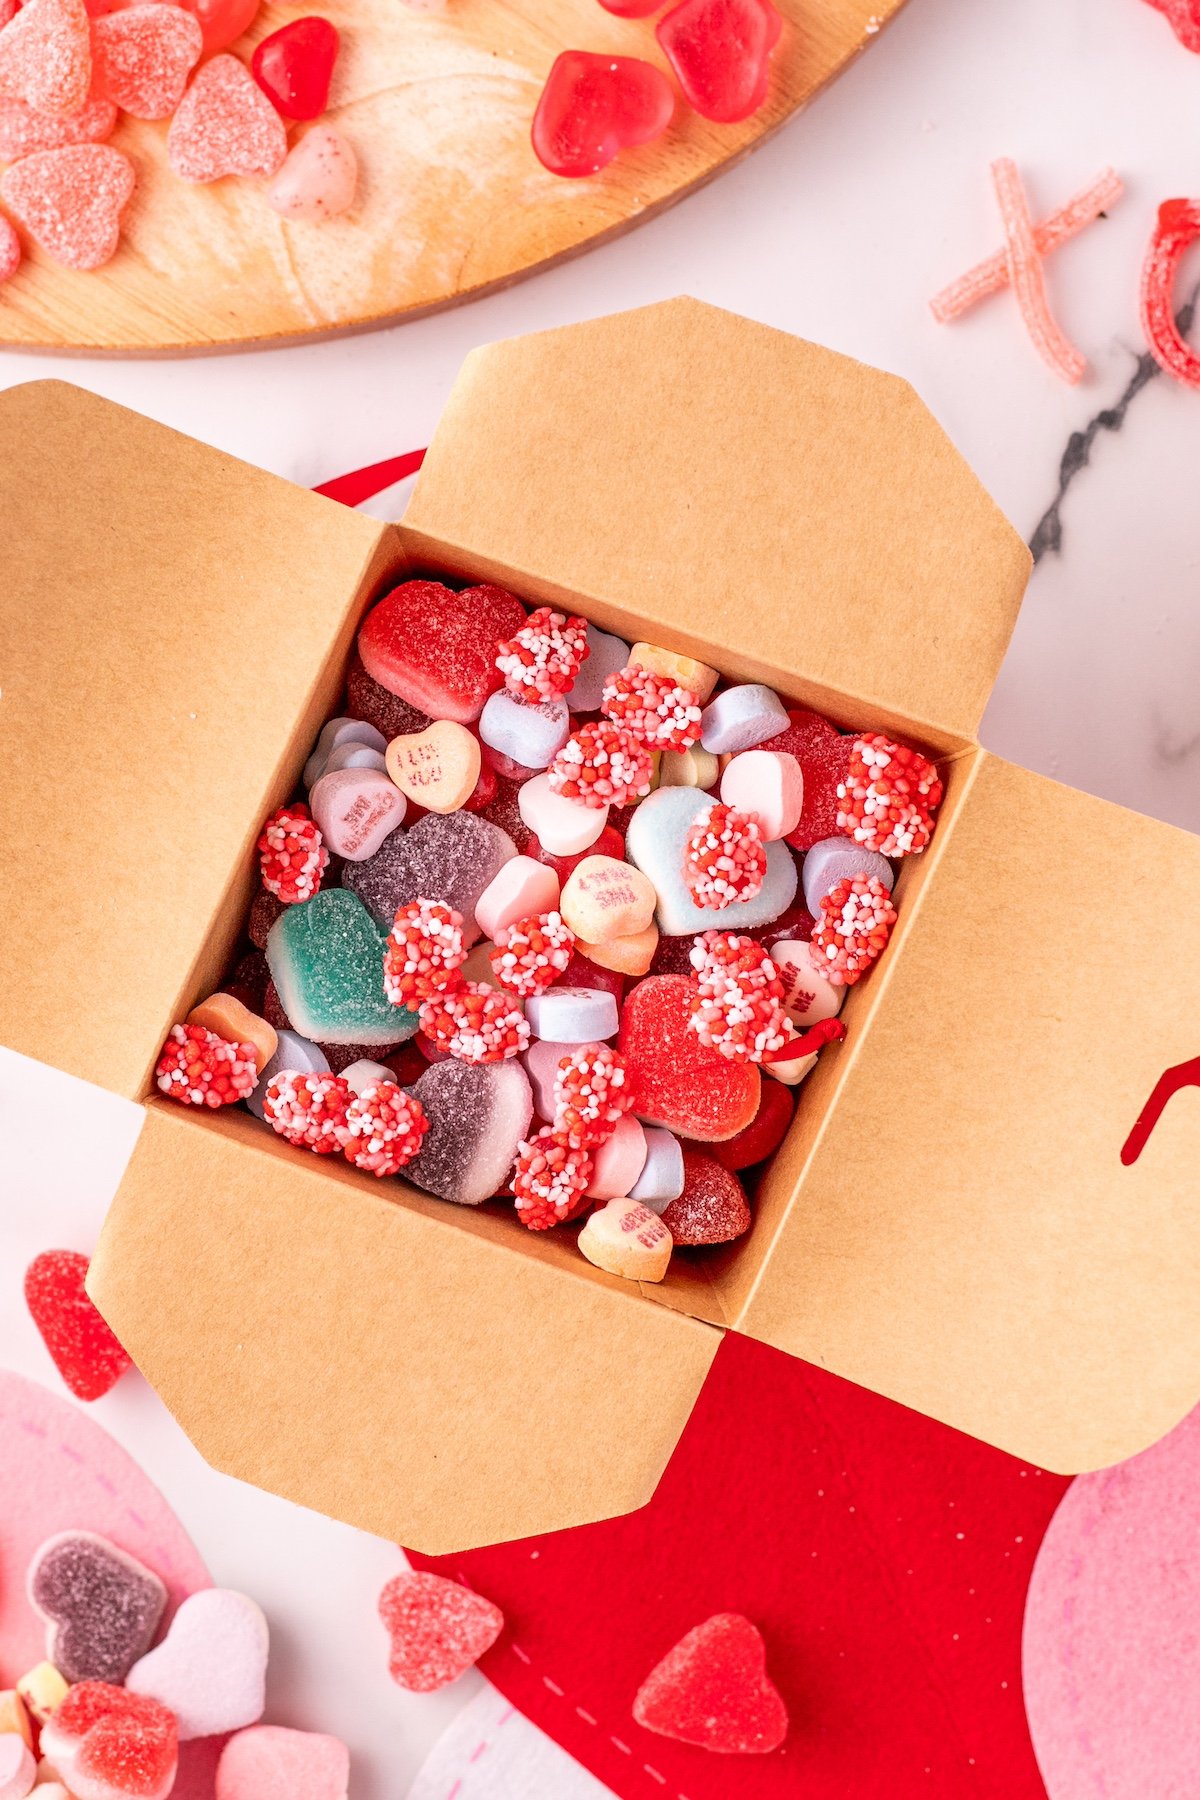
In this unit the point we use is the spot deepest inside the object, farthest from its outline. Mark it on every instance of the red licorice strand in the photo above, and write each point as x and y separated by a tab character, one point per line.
828	1031
1177	229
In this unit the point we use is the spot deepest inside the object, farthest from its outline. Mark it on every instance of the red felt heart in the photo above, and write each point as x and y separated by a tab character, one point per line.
713	1690
294	66
674	1078
592	107
85	1352
439	1629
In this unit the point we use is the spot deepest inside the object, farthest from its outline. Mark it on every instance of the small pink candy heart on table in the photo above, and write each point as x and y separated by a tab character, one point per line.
70	201
319	179
713	1690
225	125
438	1629
211	1667
271	1763
143	57
46	56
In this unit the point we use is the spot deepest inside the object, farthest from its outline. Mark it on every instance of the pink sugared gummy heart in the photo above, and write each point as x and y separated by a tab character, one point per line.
111	1745
70	201
438	1630
24	130
437	649
592	107
143	57
268	1762
675	1080
713	1690
720	51
225	126
46	56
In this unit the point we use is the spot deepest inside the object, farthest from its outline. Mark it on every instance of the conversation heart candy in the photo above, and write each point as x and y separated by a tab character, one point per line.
320	177
572	1015
387	712
625	1238
143	57
269	1762
46	56
355	810
563	826
833	860
610	843
713	1690
226	1016
807	993
528	732
436	648
225	125
520	890
112	1745
326	957
741	717
720	51
764	1134
18	1770
451	857
85	1351
696	768
210	1669
70	200
677	1081
354	756
657	835
101	1607
605	898
685	671
618	1161
478	1114
629	955
769	785
23	129
594	106
712	1208
605	655
344	731
294	66
438	767
437	1630
823	755
660	1179
292	1053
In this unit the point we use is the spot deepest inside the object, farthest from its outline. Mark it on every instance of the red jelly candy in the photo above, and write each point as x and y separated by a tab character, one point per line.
438	1630
1183	15
674	1079
130	1750
436	648
222	21
294	66
388	713
824	755
764	1134
85	1352
592	107
720	51
631	9
225	125
609	843
712	1208
46	56
712	1689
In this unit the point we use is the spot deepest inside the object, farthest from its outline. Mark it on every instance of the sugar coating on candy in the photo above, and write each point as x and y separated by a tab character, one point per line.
385	1126
887	797
675	1080
601	765
549	1180
438	1630
452	856
853	927
720	51
1176	229
201	1069
544	657
591	1094
594	106
292	856
477	1115
326	957
712	1208
533	953
143	57
309	1110
210	1669
85	1351
475	1024
116	1745
101	1606
46	56
655	708
269	1762
738	1006
376	705
713	1690
1027	276
424	953
225	125
70	201
436	648
724	858
23	129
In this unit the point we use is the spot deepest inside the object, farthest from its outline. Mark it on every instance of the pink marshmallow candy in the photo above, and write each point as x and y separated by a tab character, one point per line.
769	784
211	1667
521	889
355	810
563	827
17	1767
319	179
269	1762
617	1163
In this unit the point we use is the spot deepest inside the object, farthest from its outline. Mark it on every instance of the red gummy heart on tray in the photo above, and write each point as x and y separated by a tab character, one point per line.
114	1742
70	201
294	66
438	1629
675	1079
713	1690
437	649
720	51
592	107
85	1352
143	58
46	56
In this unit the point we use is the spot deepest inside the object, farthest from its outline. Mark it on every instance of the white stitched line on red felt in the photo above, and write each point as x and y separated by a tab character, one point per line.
552	1685
623	1748
654	1774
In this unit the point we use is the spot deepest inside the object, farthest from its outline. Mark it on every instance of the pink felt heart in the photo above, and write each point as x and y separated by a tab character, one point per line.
143	57
438	1629
70	201
225	125
270	1763
46	56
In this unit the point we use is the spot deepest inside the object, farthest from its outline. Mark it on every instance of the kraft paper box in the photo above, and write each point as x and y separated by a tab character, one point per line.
949	1221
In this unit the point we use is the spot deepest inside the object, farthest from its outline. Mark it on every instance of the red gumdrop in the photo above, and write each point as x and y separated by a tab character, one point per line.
712	1208
438	1629
713	1689
796	925
592	107
582	972
675	1079
609	843
408	1065
720	51
824	756
222	21
765	1132
85	1352
294	66
436	648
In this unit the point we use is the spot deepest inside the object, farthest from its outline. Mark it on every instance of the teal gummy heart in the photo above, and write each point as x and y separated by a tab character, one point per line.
326	959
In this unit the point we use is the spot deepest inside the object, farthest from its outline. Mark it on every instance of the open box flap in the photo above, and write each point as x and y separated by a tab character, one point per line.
167	613
495	1389
745	492
965	1237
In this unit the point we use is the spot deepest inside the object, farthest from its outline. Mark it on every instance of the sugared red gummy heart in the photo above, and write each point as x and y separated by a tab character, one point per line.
765	1132
46	56
437	649
294	66
85	1352
24	130
143	57
70	201
112	1745
101	1606
225	125
713	1690
675	1080
720	51
592	107
712	1208
824	755
269	1762
438	1630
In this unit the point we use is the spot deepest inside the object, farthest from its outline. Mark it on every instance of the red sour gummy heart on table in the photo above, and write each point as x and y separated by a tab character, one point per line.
592	107
85	1352
823	754
24	130
438	1629
225	125
673	1078
437	649
713	1690
143	58
766	1131
46	56
712	1208
294	66
131	1750
720	51
70	201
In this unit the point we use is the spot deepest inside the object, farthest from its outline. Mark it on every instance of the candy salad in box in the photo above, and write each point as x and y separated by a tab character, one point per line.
947	1220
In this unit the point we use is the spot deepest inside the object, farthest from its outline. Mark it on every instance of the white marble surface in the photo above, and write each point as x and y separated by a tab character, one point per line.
838	230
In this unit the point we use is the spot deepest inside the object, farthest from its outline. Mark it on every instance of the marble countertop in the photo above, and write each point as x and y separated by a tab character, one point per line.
839	230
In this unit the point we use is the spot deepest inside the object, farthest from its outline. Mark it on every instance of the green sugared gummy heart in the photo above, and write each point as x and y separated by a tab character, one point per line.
326	960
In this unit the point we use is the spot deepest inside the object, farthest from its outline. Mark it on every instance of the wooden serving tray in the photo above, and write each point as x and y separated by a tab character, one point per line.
452	200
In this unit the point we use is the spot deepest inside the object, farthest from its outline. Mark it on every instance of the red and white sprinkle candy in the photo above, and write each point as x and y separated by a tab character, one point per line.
309	1110
292	856
739	1008
476	1024
724	858
549	1179
532	953
852	928
655	708
545	656
385	1126
590	1095
201	1069
602	764
888	797
424	952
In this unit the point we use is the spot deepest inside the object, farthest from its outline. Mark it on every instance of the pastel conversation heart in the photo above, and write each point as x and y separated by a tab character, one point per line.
70	201
438	1630
626	1238
101	1606
143	57
46	56
225	125
438	767
268	1762
85	1352
210	1669
713	1690
592	107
